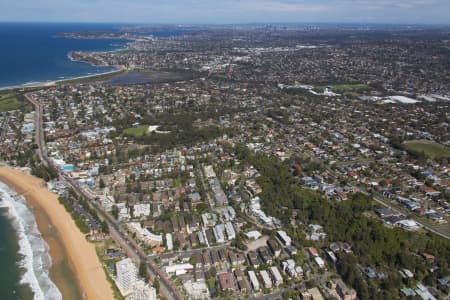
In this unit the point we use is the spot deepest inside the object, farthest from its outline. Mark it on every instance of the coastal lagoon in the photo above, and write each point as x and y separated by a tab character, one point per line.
31	52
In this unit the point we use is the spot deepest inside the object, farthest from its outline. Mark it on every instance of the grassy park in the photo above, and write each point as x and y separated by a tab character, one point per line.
9	101
428	148
136	131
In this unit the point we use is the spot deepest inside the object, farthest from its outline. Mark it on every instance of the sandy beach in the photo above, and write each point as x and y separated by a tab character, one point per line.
81	254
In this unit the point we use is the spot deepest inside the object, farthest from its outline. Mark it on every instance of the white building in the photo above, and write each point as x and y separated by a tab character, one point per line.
126	276
266	279
141	210
142	291
284	238
145	235
169	241
276	276
219	233
253	235
179	269
230	231
319	261
291	269
196	290
209	172
408	224
253	280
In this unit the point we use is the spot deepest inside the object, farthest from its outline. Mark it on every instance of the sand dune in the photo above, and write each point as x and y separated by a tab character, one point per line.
82	256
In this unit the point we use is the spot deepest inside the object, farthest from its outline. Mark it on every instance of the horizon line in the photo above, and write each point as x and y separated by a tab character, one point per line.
227	24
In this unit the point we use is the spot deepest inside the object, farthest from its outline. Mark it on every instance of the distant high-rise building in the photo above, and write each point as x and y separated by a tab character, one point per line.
126	275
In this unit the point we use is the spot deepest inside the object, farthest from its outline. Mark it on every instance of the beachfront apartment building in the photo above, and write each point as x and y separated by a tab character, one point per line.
143	291
126	276
143	234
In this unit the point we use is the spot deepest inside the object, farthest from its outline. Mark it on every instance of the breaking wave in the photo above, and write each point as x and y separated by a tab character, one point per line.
35	260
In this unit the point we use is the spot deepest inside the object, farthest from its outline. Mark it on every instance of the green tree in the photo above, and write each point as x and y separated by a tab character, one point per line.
115	211
156	285
101	183
105	227
143	271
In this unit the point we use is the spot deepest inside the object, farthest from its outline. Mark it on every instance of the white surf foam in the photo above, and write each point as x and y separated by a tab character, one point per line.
33	250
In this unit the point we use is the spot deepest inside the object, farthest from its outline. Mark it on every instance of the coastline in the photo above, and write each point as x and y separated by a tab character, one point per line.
66	239
49	83
44	84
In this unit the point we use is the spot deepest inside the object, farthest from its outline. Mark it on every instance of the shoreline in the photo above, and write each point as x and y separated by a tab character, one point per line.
67	240
44	84
50	83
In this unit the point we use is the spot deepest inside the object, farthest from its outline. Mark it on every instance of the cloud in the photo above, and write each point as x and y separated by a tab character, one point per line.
226	11
283	6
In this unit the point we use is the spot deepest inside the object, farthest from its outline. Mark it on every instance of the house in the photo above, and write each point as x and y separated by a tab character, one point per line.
253	280
243	285
206	260
266	279
428	257
284	238
169	241
408	225
274	247
385	212
181	239
198	259
313	252
265	256
236	259
312	294
405	273
319	261
253	258
239	274
215	259
291	250
226	282
219	234
178	269
371	274
196	290
253	235
230	231
193	240
276	276
343	291
240	258
169	258
291	269
332	256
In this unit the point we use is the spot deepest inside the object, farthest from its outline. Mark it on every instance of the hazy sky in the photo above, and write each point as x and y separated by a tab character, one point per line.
227	11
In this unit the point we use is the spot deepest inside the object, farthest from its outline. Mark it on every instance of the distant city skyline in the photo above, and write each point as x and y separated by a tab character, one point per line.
227	11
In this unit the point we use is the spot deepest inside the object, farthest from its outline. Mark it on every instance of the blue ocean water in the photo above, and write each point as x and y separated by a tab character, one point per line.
30	52
23	252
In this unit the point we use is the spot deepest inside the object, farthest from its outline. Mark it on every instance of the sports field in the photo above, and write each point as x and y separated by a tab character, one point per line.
430	149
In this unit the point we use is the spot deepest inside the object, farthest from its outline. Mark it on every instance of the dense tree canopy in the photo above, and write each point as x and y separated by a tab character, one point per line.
373	244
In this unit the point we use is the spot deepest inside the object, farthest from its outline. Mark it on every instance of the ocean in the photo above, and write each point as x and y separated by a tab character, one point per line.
31	53
24	254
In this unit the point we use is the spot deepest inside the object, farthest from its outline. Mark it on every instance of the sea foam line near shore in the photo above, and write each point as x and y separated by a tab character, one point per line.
35	259
47	83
